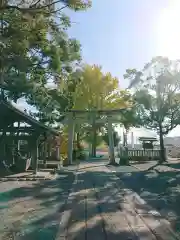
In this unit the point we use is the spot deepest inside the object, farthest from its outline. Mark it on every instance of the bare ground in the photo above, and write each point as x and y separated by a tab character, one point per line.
98	208
159	187
30	210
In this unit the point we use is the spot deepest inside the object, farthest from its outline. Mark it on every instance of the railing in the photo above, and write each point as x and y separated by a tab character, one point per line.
141	155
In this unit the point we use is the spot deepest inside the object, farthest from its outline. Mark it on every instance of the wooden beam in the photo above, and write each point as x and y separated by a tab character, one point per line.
20	137
84	120
22	130
35	153
105	111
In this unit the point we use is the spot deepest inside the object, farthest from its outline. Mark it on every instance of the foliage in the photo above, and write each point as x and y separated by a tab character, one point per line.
79	153
124	160
89	138
116	138
157	93
50	6
130	118
97	90
36	52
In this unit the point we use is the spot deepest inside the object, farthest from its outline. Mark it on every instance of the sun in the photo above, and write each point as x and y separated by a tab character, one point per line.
168	31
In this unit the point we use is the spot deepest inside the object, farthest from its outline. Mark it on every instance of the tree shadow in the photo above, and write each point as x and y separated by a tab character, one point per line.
173	165
97	198
161	191
35	203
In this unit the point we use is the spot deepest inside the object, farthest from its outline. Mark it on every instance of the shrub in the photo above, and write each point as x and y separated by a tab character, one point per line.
124	160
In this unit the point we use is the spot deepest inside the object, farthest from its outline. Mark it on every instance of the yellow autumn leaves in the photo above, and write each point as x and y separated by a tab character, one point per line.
100	91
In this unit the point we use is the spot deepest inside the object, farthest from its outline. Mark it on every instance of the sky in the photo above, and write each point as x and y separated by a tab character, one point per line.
121	34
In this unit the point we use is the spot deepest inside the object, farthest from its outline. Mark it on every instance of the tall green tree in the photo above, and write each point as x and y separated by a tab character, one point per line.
129	119
116	138
157	92
35	51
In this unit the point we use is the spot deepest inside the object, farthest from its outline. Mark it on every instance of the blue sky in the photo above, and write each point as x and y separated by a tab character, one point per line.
118	34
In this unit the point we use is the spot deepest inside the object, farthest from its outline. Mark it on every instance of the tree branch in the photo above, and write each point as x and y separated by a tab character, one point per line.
35	4
59	9
32	7
172	124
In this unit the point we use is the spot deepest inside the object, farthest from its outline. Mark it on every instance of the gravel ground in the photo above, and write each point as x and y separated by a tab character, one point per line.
159	187
31	210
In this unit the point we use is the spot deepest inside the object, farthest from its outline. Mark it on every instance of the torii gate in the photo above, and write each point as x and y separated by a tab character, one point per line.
108	116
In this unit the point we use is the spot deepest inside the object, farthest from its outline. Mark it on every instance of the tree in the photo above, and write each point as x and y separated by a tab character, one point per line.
157	92
34	53
96	90
116	138
129	119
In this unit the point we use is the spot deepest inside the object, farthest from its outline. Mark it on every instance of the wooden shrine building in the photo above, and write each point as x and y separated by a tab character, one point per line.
16	125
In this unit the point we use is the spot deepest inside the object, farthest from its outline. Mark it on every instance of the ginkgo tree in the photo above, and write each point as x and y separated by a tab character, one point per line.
96	90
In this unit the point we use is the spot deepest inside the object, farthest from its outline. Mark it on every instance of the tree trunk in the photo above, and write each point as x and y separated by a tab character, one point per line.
125	138
78	141
162	149
94	142
2	144
125	147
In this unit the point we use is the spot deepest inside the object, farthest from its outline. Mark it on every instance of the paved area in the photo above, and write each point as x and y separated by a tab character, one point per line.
91	202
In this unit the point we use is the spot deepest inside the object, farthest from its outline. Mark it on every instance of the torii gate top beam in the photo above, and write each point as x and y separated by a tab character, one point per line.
102	111
87	115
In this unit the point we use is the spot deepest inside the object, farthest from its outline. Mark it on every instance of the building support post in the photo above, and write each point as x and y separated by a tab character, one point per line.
35	154
45	154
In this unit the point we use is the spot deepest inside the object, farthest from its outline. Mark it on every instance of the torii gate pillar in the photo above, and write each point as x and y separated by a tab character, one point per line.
111	140
70	137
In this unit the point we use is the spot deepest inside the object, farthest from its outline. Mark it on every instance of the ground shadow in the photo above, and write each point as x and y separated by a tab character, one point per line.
37	205
46	201
173	165
161	190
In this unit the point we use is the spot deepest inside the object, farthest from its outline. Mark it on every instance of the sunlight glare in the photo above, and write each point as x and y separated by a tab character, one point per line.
168	31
